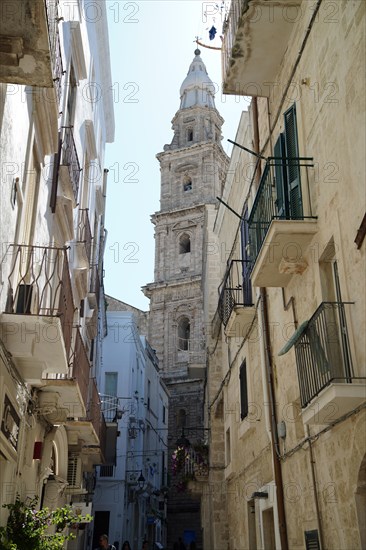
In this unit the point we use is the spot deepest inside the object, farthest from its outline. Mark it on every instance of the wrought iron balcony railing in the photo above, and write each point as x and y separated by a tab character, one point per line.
69	158
267	205
39	284
109	406
323	352
55	45
236	289
84	234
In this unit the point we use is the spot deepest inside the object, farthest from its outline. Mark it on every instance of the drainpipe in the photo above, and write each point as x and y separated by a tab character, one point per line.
267	370
313	479
274	435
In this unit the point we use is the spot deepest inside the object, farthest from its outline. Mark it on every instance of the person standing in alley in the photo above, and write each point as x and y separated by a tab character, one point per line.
103	543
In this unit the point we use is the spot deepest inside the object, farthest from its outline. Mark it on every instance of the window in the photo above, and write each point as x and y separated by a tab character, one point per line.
71	98
184	244
148	394
187	185
312	540
107	470
243	391
287	174
164	414
184	334
189	134
111	383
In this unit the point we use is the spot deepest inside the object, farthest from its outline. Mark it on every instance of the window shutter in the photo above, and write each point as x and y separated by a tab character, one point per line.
245	254
243	391
293	169
312	540
282	202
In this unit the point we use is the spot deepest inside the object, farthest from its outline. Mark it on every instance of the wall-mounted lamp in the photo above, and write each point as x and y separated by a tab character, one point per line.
141	480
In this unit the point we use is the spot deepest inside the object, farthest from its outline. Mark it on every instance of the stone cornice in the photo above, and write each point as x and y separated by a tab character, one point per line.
207	145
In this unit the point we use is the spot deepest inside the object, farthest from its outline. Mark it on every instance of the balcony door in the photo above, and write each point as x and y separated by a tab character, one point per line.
101	526
292	166
334	324
287	170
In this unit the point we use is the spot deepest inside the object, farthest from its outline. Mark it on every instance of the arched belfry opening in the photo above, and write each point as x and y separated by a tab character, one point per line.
184	244
184	334
187	184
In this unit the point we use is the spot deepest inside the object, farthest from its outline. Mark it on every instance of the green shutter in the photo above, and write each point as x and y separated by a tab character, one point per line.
243	391
293	169
282	203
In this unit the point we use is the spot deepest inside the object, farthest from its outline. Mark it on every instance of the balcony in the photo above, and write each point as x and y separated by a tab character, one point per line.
91	429
111	413
328	387
236	309
71	388
279	242
69	169
256	37
30	52
37	323
109	405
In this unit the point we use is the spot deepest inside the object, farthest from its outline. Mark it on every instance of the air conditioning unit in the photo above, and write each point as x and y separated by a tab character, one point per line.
132	478
74	472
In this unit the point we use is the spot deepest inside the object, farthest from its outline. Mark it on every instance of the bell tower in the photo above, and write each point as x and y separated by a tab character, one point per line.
193	169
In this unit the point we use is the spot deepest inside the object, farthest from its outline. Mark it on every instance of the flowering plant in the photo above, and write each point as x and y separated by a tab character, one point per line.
29	529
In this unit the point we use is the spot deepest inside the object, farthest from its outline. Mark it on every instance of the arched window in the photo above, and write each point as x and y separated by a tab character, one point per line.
184	244
187	185
54	461
189	134
184	334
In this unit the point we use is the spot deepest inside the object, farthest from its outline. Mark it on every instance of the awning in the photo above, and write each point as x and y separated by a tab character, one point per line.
294	338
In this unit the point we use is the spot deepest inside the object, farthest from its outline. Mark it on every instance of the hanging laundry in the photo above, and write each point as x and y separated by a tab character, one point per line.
212	32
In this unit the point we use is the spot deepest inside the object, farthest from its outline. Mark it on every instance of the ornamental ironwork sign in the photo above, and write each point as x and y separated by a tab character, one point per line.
10	423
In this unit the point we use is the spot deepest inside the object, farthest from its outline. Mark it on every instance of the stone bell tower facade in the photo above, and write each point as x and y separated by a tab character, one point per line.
193	169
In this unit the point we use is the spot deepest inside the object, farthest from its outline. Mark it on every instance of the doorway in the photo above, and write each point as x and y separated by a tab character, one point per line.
101	526
268	529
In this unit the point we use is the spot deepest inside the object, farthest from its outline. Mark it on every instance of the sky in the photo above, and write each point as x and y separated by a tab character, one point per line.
152	44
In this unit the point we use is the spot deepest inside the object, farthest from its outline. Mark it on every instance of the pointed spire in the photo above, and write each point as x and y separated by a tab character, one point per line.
197	88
